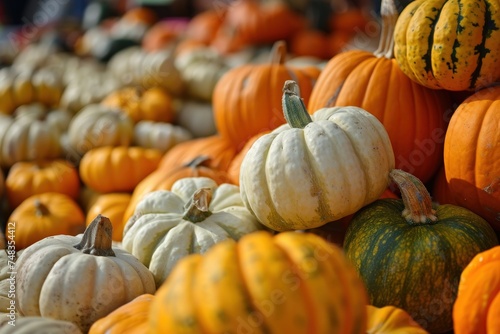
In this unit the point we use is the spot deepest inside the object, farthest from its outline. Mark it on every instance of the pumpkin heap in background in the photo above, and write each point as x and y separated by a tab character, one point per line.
225	172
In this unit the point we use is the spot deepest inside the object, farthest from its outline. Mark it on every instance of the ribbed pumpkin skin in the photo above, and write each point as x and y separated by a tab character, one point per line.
128	319
449	44
293	179
291	283
118	169
247	99
477	306
27	178
415	267
471	161
414	116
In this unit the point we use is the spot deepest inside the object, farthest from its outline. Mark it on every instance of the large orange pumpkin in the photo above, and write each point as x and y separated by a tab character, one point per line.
477	307
247	99
472	154
117	168
203	26
26	178
414	116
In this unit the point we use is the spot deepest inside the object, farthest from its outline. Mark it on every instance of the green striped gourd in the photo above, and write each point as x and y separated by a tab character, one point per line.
450	44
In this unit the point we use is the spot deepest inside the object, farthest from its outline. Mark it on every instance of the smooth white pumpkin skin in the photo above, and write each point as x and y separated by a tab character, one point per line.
40	325
159	236
56	280
295	179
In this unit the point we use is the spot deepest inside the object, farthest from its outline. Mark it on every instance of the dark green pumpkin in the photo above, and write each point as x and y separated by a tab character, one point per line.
410	253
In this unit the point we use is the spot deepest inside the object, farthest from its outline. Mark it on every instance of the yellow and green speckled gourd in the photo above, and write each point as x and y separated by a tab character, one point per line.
449	44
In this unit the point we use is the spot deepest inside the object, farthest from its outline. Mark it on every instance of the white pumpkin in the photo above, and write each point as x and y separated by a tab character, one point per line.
97	125
39	325
159	135
201	69
197	117
79	279
191	218
134	66
32	133
309	172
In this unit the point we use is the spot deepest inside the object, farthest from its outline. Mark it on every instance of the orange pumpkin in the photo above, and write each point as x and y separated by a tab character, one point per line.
252	22
204	26
141	15
131	318
163	179
45	215
472	154
113	206
219	151
414	116
233	170
160	36
27	178
477	306
153	104
117	168
247	99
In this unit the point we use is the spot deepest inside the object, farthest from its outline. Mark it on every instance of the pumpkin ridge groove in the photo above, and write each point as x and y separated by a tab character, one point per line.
301	285
324	209
488	27
246	291
427	58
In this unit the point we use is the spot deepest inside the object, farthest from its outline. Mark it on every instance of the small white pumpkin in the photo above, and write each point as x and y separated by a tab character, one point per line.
312	171
39	325
79	279
191	218
197	117
159	135
97	125
33	132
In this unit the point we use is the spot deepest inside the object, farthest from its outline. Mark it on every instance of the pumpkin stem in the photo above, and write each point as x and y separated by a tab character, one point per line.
97	239
40	208
417	201
294	109
389	15
197	207
278	53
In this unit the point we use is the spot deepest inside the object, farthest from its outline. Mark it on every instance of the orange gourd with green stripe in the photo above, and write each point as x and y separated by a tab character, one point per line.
450	44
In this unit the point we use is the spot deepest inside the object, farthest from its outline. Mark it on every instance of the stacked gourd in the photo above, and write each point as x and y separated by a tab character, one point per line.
125	212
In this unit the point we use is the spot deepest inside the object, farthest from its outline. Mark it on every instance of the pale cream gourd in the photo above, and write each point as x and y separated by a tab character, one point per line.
79	279
201	69
191	218
40	325
32	133
315	169
159	135
96	126
197	117
134	66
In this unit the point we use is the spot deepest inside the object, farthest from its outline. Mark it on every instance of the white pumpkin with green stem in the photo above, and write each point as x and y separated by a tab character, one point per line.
316	168
190	218
79	279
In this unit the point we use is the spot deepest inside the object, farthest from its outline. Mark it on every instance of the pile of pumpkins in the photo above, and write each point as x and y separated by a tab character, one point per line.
370	182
